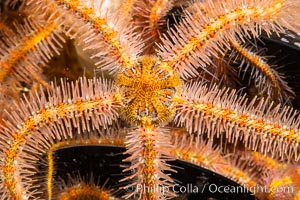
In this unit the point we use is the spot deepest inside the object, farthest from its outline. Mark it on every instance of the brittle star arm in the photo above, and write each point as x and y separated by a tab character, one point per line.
262	127
201	36
265	77
70	108
111	137
111	40
148	148
82	187
32	47
196	150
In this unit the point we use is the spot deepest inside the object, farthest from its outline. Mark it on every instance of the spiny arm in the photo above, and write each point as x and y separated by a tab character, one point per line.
82	188
262	127
147	147
202	153
266	78
202	35
25	54
150	18
111	39
112	137
80	106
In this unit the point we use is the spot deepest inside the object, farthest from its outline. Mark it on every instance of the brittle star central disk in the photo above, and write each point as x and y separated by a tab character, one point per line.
147	91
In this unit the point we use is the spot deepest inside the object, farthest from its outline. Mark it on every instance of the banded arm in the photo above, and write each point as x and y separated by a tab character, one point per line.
111	40
73	107
261	127
203	35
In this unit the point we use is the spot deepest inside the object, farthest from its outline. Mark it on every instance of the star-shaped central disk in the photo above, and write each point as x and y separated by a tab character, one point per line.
147	90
